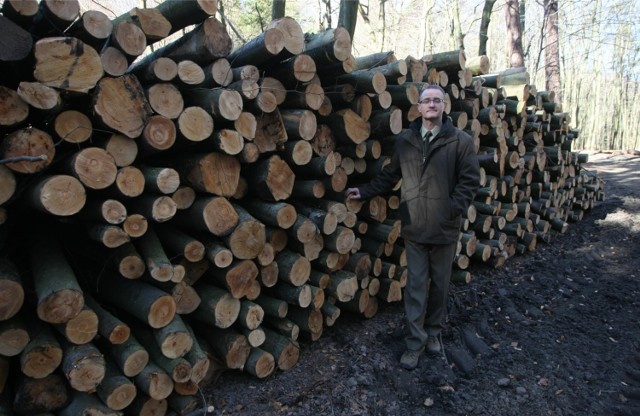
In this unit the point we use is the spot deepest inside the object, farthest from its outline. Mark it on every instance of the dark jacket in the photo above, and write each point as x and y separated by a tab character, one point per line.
436	191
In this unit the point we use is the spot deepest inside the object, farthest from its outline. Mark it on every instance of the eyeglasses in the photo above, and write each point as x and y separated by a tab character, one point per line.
431	100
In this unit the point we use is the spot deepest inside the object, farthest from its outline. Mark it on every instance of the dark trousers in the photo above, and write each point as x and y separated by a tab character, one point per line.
425	295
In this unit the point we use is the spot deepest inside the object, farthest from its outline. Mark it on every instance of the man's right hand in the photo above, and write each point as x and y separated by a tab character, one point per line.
353	193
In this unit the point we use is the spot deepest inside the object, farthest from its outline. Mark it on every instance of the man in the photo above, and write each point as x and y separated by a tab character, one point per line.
440	175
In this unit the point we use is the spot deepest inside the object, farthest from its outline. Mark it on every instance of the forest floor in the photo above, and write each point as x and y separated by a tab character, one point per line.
553	332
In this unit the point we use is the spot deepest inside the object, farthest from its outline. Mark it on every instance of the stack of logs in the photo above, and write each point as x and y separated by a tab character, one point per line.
168	216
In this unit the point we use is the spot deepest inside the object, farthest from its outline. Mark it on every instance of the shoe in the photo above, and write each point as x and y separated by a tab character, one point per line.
433	345
410	358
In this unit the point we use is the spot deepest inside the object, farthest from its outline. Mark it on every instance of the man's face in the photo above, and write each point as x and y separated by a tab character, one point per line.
429	108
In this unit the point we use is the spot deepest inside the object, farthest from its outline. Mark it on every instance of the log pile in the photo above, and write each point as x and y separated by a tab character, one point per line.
170	216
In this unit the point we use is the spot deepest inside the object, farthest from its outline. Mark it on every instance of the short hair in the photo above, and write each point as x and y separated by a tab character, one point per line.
432	87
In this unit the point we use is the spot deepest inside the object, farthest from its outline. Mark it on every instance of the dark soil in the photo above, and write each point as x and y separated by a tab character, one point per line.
553	332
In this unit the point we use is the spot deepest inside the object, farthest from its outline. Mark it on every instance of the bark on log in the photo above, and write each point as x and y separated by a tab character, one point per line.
181	14
330	46
220	103
110	327
275	214
16	42
206	42
150	248
140	299
60	297
260	50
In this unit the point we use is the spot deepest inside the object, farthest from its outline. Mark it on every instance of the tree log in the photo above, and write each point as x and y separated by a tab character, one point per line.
218	306
67	63
80	329
140	299
121	105
237	277
260	50
130	356
232	347
154	382
116	390
83	366
47	394
285	351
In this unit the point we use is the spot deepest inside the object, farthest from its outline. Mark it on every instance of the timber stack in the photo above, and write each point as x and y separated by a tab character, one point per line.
165	217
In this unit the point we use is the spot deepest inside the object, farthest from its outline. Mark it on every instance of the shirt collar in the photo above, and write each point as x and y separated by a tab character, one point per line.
434	132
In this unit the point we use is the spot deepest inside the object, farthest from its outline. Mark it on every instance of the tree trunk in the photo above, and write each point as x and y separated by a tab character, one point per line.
552	49
514	33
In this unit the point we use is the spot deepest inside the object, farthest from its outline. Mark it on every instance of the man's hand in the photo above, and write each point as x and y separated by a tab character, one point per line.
353	193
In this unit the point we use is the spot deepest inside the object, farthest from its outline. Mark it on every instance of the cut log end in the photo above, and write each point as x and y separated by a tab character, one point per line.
11	298
161	312
61	306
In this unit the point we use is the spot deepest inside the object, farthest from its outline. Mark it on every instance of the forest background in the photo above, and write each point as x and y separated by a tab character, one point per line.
596	46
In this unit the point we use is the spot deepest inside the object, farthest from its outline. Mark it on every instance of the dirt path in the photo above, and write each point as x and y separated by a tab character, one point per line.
553	332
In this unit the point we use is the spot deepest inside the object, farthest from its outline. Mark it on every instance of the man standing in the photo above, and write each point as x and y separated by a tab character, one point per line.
440	175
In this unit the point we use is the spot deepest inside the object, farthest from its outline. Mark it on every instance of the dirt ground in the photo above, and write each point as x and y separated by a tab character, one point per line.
553	332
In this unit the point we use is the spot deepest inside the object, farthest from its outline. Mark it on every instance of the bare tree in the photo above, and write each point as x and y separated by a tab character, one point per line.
278	9
484	26
458	37
514	34
325	18
348	15
552	50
